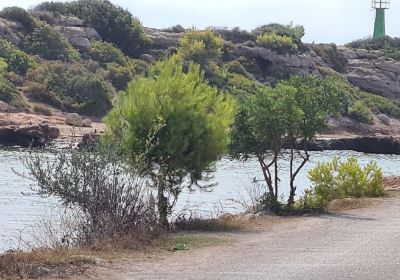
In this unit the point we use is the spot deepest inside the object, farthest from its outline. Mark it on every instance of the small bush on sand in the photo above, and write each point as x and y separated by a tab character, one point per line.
337	180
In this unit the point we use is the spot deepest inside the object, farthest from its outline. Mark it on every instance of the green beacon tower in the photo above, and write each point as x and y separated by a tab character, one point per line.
380	6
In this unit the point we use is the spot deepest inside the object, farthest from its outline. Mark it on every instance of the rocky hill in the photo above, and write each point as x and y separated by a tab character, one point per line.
91	71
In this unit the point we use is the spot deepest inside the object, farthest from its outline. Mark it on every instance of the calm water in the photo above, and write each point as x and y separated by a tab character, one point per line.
20	214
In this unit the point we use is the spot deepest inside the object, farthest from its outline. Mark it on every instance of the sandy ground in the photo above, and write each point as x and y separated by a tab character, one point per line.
354	244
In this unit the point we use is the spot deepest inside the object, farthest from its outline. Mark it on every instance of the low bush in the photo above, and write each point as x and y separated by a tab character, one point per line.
200	46
70	87
235	35
110	197
10	94
17	60
359	111
105	52
275	41
19	15
337	180
295	32
47	42
119	76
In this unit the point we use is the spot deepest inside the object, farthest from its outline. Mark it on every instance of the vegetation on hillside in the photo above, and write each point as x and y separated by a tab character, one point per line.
114	24
390	46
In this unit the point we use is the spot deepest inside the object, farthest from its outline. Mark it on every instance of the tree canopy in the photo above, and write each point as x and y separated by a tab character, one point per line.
173	125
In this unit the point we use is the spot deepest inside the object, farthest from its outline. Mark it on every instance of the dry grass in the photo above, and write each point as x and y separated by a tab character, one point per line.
349	204
42	109
41	263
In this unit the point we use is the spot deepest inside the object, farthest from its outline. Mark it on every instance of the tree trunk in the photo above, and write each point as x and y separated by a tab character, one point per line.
162	205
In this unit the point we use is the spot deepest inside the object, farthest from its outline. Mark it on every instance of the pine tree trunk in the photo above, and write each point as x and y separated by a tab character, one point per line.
162	205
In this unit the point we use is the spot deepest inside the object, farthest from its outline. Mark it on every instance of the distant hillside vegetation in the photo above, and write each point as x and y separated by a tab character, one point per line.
76	56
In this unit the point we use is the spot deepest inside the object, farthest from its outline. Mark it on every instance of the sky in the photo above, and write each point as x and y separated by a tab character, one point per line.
325	21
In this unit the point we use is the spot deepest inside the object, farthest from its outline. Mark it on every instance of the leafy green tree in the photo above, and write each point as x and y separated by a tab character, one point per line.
174	126
261	129
48	42
289	115
17	60
317	99
200	46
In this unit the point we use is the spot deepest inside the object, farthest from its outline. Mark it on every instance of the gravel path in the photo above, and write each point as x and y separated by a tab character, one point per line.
357	244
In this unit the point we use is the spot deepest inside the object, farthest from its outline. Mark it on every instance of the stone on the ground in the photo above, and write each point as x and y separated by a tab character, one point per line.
384	118
74	119
87	123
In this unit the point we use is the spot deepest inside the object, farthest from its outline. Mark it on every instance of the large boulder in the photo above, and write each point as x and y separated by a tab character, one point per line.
29	136
74	119
79	37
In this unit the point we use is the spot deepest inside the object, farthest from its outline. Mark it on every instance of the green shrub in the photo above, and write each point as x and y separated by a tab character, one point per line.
19	15
105	52
390	46
42	109
337	180
236	67
177	29
235	35
274	41
10	94
48	42
58	7
360	112
296	32
17	60
393	53
113	23
200	46
70	87
119	76
375	43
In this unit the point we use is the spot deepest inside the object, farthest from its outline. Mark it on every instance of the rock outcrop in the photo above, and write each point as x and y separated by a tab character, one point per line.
371	145
79	36
286	64
30	136
372	72
9	30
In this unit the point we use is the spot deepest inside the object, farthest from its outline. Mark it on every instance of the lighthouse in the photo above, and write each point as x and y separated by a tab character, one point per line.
380	6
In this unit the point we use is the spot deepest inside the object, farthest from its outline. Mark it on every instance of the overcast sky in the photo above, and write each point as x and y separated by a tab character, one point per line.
327	21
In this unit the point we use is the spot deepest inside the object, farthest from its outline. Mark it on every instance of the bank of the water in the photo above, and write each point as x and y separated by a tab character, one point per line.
21	212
